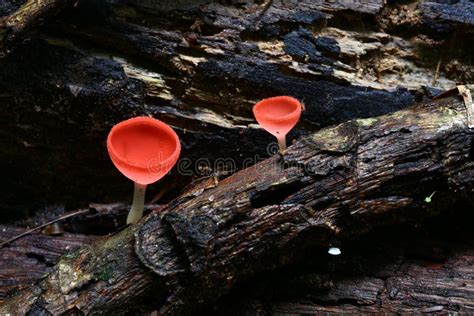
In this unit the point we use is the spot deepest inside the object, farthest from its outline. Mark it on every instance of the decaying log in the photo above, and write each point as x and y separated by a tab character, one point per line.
337	183
30	258
200	69
27	18
27	259
400	269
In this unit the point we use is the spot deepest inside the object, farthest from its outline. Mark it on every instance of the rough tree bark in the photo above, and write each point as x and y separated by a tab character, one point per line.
22	22
26	260
200	68
402	268
329	186
399	269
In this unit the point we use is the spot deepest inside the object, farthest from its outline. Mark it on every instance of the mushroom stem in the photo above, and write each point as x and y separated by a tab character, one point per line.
282	142
136	211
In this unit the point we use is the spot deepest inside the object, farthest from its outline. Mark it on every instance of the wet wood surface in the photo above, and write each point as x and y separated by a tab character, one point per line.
331	186
69	70
201	68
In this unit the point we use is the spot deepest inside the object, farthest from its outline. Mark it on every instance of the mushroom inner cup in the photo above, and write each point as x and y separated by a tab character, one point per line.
143	144
277	109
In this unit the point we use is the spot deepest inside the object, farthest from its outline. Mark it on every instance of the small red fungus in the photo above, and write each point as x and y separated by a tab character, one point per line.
278	115
144	150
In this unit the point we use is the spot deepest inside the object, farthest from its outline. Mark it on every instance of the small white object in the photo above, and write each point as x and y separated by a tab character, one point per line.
334	251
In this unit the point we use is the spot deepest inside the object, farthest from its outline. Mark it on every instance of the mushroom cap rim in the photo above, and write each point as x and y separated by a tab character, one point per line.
259	113
144	120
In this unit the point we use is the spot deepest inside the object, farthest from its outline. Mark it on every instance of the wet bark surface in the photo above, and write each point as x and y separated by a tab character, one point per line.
200	69
402	269
30	258
69	70
328	187
405	268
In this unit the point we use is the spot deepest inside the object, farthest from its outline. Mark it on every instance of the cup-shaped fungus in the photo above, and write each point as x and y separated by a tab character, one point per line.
278	115
144	150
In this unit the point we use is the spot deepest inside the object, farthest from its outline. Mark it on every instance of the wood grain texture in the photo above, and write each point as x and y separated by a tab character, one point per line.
200	69
333	185
26	19
397	269
29	259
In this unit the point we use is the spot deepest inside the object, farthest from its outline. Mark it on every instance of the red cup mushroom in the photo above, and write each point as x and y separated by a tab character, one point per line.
144	150
278	115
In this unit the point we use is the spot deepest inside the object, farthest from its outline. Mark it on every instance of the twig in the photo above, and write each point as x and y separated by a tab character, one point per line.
438	65
42	226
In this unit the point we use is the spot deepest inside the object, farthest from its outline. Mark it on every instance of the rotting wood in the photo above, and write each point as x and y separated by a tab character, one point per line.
344	63
466	94
32	230
29	259
200	69
25	260
337	183
400	269
16	26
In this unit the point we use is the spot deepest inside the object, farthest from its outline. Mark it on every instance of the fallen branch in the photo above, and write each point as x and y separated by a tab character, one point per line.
337	183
